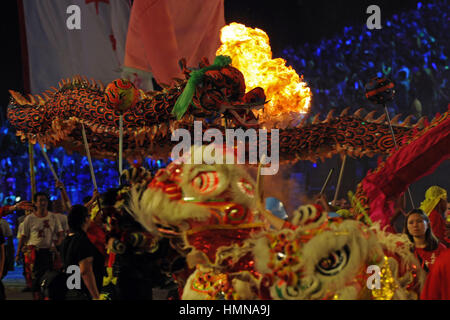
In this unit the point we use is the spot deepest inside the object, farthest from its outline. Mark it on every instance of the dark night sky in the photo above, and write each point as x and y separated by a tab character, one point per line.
293	22
287	22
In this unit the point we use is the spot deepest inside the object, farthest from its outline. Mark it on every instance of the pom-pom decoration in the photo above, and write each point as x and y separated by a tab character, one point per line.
122	94
380	90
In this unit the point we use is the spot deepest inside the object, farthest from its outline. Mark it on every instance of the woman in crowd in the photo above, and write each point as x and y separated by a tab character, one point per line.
78	250
426	246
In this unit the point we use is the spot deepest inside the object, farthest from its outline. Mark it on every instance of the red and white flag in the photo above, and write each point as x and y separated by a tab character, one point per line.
74	37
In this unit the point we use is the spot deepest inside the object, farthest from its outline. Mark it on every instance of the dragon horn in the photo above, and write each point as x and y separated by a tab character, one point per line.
359	112
407	121
45	95
18	97
329	116
40	100
421	122
381	118
396	118
32	99
369	116
316	119
344	112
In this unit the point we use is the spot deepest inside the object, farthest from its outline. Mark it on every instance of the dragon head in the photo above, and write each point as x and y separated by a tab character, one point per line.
198	201
220	92
328	258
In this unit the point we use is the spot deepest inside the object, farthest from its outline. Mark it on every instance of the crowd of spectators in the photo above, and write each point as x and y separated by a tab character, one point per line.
411	49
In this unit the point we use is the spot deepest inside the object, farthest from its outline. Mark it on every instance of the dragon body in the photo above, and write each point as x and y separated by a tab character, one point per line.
380	188
55	117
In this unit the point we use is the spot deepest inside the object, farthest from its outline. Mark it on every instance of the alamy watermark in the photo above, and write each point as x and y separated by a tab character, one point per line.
73	22
374	281
374	20
235	147
74	279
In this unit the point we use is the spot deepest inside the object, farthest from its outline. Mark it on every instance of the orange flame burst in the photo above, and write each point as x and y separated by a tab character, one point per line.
250	52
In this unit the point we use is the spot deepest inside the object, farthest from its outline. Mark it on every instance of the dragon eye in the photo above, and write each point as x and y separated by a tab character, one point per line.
246	187
206	182
334	263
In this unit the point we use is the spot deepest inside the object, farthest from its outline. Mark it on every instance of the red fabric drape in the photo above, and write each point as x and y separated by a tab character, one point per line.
160	33
405	166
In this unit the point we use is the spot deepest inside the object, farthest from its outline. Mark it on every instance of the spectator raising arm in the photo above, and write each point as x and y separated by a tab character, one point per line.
64	197
22	205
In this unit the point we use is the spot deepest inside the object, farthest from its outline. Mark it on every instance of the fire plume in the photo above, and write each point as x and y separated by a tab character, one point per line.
251	53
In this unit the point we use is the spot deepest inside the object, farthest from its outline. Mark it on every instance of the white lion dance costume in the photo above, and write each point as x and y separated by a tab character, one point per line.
236	255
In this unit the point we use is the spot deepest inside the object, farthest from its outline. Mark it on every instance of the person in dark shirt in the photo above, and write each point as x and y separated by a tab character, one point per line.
78	250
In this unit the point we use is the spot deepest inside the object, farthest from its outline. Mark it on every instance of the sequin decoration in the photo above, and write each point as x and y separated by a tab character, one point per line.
284	257
388	285
216	286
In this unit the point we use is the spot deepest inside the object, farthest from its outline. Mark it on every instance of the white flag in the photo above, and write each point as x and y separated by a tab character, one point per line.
75	37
